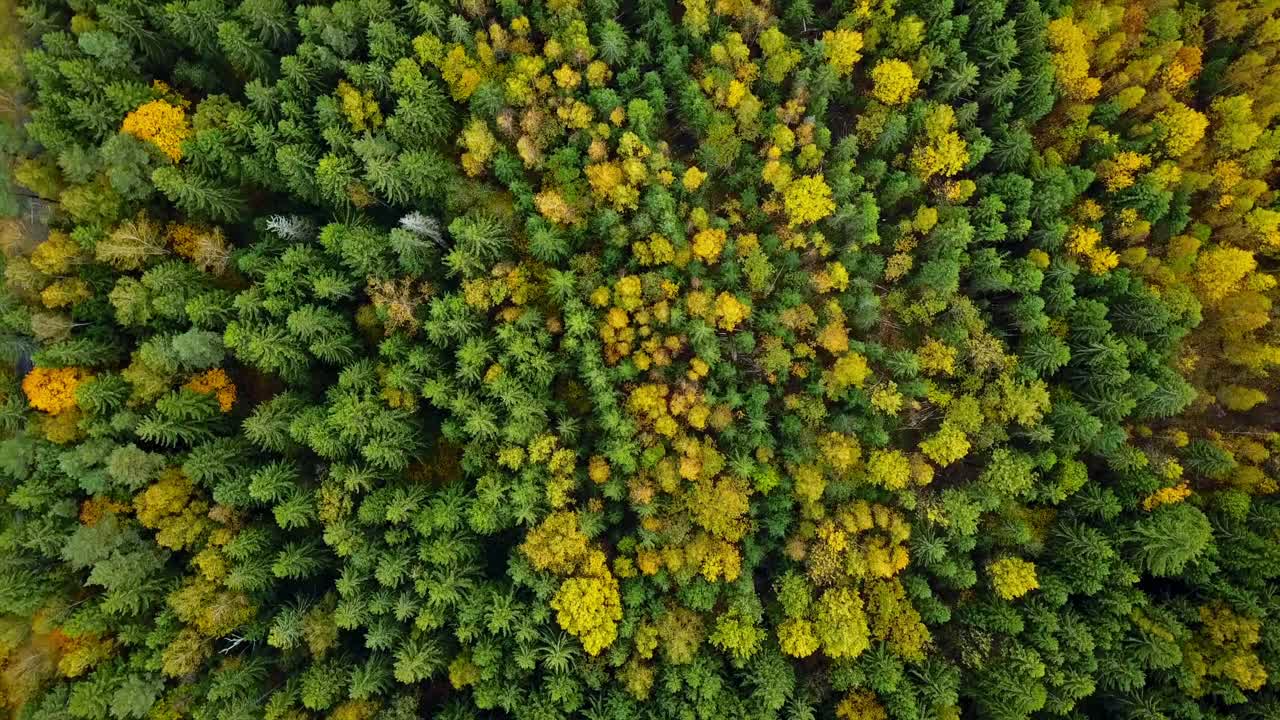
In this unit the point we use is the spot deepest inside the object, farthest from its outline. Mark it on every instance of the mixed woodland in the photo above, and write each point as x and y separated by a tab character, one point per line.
637	359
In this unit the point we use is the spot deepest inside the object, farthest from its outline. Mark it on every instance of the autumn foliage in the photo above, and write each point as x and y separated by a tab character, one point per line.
704	359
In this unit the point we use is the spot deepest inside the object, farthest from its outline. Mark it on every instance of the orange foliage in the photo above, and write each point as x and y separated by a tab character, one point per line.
217	383
53	390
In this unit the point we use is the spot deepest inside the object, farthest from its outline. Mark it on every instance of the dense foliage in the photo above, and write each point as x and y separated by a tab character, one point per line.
867	359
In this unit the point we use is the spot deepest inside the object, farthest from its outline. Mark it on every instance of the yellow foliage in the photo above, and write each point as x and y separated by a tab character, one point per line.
566	77
97	507
205	247
807	200
1224	648
53	390
889	469
730	311
1183	68
217	383
1220	271
797	638
958	191
946	446
598	74
169	507
209	610
576	114
808	483
692	179
1117	172
681	632
62	428
945	156
898	266
720	506
711	557
160	124
842	452
835	276
360	108
480	147
1240	398
554	207
780	58
850	370
861	706
461	72
617	318
1166	496
65	293
936	357
589	608
944	153
887	399
1086	243
894	82
843	49
598	469
1012	577
1071	60
1183	127
696	16
557	544
355	710
185	653
841	624
658	250
708	243
56	255
82	652
608	181
926	218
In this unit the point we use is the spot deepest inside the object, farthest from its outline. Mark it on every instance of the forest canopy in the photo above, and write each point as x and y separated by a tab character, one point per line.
609	359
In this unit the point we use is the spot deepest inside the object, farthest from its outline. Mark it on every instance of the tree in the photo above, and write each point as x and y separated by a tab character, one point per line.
1172	536
1013	577
620	360
840	624
163	125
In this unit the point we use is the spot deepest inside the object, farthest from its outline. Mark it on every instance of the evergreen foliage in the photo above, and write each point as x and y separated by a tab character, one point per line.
384	359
